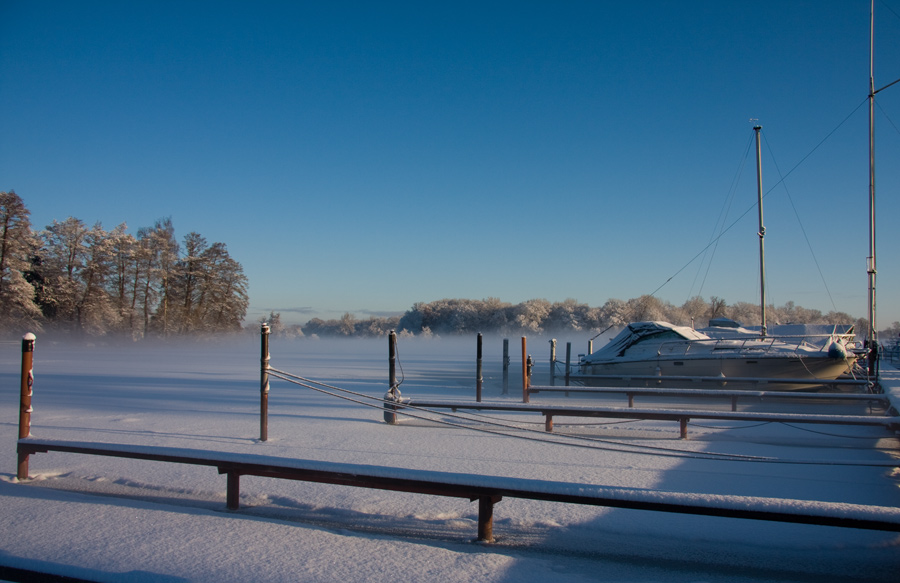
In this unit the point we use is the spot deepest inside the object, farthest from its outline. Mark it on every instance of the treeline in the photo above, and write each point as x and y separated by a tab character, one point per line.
88	281
491	315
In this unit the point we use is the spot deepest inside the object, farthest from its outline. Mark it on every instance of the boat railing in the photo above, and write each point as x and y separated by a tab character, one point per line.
892	352
757	345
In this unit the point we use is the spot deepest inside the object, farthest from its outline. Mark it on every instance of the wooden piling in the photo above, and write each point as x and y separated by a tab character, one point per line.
524	370
552	361
478	377
506	366
393	394
264	383
27	385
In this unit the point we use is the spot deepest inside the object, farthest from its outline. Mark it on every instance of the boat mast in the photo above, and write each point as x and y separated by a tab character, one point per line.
870	267
762	236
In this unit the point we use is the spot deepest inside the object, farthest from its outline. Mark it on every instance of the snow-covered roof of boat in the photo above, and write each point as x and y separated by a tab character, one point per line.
639	330
726	328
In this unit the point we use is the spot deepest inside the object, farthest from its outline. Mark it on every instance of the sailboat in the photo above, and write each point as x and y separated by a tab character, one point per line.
678	356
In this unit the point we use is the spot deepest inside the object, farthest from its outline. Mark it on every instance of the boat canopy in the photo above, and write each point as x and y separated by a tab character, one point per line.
638	331
720	327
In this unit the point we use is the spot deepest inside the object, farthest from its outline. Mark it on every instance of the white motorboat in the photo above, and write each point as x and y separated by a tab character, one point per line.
660	353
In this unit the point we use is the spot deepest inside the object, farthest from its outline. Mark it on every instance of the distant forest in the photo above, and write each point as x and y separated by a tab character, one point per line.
491	315
87	281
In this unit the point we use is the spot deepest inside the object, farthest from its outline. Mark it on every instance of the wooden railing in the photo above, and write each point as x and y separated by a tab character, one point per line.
487	490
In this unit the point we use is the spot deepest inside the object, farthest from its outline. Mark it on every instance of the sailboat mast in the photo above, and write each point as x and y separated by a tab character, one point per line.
873	330
762	235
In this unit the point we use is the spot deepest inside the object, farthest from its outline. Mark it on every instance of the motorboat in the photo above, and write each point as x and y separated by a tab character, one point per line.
659	353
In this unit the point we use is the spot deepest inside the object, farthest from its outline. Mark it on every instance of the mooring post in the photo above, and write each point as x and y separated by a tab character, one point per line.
506	366
478	378
524	370
568	362
552	361
25	399
264	383
393	395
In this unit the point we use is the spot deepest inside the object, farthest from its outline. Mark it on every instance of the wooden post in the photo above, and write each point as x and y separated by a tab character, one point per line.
486	518
232	490
568	362
552	361
27	383
264	383
393	395
478	378
683	422
524	370
506	366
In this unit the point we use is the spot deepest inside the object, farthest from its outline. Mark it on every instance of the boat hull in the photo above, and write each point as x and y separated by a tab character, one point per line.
710	373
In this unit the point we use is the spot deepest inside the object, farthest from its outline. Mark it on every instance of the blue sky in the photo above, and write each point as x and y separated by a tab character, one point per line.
361	156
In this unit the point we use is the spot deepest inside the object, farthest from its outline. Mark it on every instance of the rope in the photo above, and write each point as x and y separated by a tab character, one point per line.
361	399
379	404
753	206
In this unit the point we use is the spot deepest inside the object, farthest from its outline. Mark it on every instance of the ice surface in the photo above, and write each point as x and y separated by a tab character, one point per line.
110	519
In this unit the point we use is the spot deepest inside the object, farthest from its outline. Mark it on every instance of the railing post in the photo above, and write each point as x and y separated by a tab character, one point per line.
478	377
27	382
264	384
506	366
524	370
568	361
486	518
393	394
232	490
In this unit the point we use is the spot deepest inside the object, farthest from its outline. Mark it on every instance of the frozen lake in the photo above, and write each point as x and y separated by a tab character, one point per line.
107	519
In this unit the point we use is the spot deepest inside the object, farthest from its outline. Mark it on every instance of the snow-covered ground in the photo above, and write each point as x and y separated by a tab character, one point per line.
108	519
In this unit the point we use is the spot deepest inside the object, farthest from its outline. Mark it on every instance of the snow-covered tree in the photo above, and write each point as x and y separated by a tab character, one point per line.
62	257
17	243
94	311
223	297
531	314
164	248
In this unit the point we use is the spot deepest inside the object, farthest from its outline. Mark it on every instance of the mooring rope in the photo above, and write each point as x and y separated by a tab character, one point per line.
379	403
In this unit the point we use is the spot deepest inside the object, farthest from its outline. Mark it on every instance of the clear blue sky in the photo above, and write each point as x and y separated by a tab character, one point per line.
363	156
